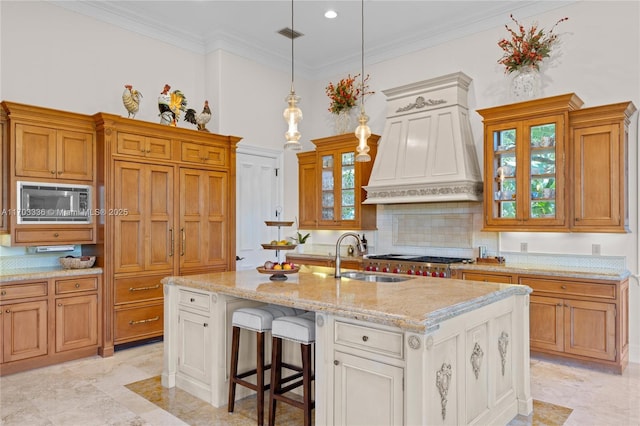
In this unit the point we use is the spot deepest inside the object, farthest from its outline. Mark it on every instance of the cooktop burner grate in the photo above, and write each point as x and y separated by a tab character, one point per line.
420	259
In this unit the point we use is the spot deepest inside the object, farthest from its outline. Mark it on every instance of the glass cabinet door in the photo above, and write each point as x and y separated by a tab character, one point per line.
348	188
328	188
543	171
505	165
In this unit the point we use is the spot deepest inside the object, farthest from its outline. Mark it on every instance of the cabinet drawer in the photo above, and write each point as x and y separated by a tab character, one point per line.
54	235
490	278
139	323
192	299
204	154
135	289
20	291
384	342
75	285
575	288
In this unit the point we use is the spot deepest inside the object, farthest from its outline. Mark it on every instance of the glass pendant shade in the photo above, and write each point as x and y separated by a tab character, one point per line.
292	115
362	133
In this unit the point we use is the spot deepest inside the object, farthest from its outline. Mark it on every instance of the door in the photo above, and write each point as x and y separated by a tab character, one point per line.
76	322
590	329
203	219
367	392
546	323
258	189
35	151
24	332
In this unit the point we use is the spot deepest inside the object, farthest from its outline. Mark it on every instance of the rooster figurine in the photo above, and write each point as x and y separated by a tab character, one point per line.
170	105
201	119
131	100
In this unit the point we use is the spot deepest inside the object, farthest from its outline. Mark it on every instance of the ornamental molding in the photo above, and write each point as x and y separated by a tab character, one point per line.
476	359
472	188
443	380
421	102
320	320
503	343
413	342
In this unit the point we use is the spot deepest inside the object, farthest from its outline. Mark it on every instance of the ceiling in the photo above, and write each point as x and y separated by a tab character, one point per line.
328	46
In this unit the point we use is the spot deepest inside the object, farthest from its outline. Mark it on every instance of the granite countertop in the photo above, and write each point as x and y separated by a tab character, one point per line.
558	271
416	305
323	257
22	274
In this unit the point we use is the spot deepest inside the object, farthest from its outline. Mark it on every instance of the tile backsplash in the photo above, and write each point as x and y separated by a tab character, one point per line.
20	258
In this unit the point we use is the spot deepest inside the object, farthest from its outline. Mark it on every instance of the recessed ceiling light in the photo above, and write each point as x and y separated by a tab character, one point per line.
330	14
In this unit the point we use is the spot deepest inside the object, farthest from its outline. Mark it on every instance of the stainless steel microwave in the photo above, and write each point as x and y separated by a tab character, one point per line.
53	203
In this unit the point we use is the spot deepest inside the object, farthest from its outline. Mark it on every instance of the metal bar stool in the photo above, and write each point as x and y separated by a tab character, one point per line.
300	329
259	320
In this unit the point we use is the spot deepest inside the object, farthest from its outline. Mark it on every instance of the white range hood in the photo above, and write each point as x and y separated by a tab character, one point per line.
426	153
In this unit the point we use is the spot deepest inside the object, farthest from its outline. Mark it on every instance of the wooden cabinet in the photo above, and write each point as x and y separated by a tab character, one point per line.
491	277
338	185
525	148
599	175
77	313
585	320
4	143
172	191
551	166
50	153
51	146
308	190
50	321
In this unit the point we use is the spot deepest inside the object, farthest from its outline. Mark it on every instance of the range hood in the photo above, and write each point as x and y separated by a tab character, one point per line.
426	153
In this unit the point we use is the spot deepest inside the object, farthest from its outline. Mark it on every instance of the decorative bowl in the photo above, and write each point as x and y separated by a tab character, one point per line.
77	262
278	274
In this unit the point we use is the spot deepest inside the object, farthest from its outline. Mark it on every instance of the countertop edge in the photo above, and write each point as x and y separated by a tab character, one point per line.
594	274
29	274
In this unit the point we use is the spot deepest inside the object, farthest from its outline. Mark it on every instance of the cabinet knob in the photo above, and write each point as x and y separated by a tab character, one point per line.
564	287
336	362
365	338
192	300
8	311
53	172
205	324
559	304
56	235
59	304
59	173
3	293
77	285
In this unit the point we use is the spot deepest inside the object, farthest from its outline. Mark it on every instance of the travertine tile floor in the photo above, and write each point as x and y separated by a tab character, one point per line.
93	392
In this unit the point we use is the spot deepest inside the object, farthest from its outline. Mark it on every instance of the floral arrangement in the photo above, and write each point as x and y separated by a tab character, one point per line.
526	46
346	93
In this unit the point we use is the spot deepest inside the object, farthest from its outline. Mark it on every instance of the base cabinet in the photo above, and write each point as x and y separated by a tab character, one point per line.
584	320
48	322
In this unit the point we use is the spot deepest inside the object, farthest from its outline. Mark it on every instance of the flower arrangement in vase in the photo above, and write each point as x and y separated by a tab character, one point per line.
523	52
343	97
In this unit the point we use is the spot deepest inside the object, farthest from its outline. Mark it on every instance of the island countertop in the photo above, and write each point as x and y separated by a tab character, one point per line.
417	304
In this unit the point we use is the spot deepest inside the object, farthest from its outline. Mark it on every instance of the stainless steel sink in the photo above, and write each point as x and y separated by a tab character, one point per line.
376	278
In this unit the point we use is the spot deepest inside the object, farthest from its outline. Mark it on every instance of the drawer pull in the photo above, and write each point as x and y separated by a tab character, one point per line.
144	288
56	235
365	338
206	324
132	322
77	285
8	311
192	300
564	287
4	293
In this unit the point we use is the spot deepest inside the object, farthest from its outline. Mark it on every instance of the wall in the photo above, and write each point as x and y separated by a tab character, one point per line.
56	58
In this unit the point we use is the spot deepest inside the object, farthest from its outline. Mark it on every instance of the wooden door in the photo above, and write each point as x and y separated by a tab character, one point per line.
307	190
597	177
76	322
144	236
74	155
367	392
589	329
203	219
35	151
24	331
546	323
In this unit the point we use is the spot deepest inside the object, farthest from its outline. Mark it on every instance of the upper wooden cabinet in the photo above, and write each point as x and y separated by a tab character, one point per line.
551	166
525	169
336	182
4	143
599	173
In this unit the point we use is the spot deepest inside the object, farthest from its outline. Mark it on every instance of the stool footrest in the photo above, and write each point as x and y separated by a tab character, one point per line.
291	401
251	372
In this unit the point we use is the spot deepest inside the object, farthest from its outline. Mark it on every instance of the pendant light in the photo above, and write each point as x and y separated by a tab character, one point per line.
362	131
292	114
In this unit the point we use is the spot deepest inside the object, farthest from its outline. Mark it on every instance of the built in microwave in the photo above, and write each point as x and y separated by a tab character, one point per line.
53	203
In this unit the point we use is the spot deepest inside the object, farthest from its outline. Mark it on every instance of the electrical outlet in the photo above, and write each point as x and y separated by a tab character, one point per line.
595	249
524	247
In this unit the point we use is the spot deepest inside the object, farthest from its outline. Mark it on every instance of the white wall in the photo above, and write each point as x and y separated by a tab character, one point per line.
55	58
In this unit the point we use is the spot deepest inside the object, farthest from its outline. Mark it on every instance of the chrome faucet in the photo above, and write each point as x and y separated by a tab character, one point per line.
340	238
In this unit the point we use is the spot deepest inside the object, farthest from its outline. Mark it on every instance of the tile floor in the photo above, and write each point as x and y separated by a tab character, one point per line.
94	391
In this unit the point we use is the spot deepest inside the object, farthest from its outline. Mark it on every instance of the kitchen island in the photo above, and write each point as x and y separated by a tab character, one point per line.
421	351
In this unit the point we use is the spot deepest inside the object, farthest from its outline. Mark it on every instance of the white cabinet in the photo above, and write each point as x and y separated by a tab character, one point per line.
194	358
366	392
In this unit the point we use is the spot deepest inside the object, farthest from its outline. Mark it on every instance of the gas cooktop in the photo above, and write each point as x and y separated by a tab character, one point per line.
416	258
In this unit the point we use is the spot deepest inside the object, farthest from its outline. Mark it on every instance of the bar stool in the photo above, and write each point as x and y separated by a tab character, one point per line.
300	329
259	320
